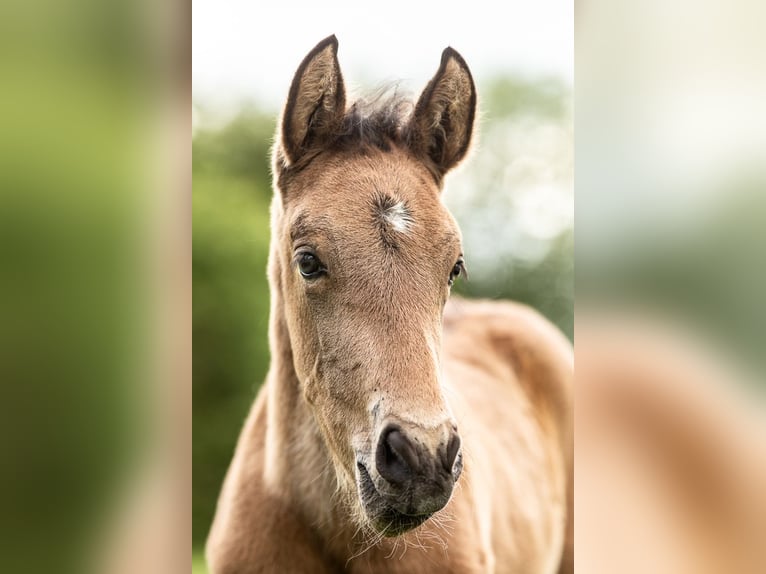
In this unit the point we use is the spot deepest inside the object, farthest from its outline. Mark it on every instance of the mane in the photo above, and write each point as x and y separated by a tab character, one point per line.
378	120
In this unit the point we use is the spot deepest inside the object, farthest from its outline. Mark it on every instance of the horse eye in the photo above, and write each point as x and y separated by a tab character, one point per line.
456	271
310	266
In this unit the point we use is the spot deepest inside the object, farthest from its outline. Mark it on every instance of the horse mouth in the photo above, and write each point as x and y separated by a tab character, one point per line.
394	523
386	519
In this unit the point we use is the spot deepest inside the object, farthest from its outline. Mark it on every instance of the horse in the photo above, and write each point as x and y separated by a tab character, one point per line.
398	430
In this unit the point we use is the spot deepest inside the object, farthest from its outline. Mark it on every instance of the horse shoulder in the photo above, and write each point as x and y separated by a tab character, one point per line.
255	530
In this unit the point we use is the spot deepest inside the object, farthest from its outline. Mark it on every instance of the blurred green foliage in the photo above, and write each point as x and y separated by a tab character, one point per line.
509	96
198	563
74	334
231	196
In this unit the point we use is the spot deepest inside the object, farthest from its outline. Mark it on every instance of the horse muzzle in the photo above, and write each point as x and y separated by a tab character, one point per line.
408	481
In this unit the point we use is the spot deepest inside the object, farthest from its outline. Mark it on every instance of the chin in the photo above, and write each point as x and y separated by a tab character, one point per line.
392	523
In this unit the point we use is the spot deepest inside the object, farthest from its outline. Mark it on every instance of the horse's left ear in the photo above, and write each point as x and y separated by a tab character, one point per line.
442	123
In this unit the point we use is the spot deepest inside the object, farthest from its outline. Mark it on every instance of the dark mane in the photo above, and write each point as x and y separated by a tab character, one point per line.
378	121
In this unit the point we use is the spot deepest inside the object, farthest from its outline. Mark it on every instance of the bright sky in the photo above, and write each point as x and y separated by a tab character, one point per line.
249	50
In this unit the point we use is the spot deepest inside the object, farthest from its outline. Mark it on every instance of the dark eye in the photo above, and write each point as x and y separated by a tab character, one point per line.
456	271
309	265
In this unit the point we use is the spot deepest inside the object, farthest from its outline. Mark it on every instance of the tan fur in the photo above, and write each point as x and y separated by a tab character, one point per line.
375	340
671	453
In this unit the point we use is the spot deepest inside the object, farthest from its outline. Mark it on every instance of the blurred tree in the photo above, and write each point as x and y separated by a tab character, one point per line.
241	148
514	199
231	297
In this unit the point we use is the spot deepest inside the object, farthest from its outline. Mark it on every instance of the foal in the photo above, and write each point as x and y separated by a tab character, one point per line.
396	432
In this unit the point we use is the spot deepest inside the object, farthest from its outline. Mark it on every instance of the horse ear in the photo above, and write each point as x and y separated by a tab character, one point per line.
316	103
442	123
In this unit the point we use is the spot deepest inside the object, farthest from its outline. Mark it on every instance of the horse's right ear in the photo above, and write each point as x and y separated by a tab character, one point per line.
316	103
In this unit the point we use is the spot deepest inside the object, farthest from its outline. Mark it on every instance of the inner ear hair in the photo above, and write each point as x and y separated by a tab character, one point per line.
442	123
316	102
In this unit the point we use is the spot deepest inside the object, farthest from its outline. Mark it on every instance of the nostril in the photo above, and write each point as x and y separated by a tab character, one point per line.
402	448
396	458
450	453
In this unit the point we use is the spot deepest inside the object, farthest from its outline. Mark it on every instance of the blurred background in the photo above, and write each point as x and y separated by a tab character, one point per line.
94	132
670	430
671	164
513	198
95	234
